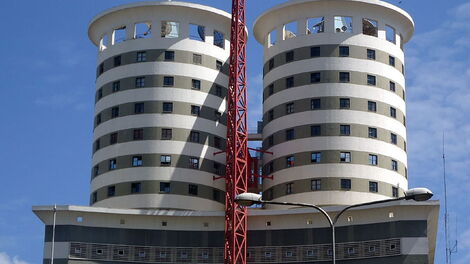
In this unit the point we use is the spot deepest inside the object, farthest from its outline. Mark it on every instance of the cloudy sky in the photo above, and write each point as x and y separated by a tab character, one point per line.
46	103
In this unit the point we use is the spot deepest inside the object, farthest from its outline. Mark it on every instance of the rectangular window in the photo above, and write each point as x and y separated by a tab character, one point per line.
289	82
372	106
290	56
343	51
98	119
394	165
393	112
194	136
194	163
290	162
137	161
136	187
218	90
116	86
94	197
289	188
373	160
143	30
139	108
167	133
219	39
139	134
115	112
390	34
112	164
371	80
315	77
346	184
270	115
197	59
392	86
345	157
270	140
343	24
370	54
169	55
111	191
195	110
165	187
393	138
289	108
344	103
100	69
195	84
391	61
97	144
370	27
345	130
100	94
316	157
165	160
139	82
217	115
315	185
271	64
141	56
170	29
219	65
344	77
315	52
217	142
271	89
117	61
119	35
395	192
372	132
373	187
197	32
113	138
167	107
192	189
215	195
290	134
96	170
315	131
315	104
315	25
168	81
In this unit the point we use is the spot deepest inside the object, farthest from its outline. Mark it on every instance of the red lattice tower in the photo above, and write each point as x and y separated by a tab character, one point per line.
236	179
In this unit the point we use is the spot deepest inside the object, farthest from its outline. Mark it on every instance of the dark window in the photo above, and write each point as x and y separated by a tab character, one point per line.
289	108
215	195
141	56
140	82
315	52
115	112
270	115
372	106
391	61
94	197
112	164
219	65
218	90
395	192
139	134
271	64
392	86
101	69
345	130
169	55
371	80
289	82
344	103
315	77
393	138
372	132
394	165
217	142
167	107
116	86
371	54
113	138
270	167
343	51
165	187
217	115
315	104
344	77
192	189
100	94
289	56
167	133
290	134
196	84
346	184
197	59
194	163
315	157
194	136
117	61
393	112
139	108
373	187
195	110
345	157
136	187
165	160
270	140
137	161
219	39
168	81
373	160
271	89
96	170
315	130
315	185
111	191
98	119
97	145
290	161
289	188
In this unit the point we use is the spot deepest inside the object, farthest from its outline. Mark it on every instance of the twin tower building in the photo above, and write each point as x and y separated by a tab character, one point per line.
334	117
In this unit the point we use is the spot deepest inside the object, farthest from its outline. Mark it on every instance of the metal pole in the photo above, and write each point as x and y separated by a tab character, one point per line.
333	243
53	234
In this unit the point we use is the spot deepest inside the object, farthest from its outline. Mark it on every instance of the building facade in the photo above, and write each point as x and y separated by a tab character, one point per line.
334	119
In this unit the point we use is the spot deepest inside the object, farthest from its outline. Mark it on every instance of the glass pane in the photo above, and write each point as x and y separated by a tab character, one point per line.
170	29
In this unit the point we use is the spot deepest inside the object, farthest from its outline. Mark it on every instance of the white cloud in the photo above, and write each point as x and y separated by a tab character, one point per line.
6	259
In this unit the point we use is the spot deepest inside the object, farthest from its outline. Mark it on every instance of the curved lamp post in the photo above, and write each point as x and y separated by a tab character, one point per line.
417	194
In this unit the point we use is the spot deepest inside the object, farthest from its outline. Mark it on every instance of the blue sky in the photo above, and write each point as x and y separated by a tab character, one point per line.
47	93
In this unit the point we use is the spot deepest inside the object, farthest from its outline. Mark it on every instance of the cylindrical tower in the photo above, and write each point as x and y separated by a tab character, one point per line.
334	100
161	84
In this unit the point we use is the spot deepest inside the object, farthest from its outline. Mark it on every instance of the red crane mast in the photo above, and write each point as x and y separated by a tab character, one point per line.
237	155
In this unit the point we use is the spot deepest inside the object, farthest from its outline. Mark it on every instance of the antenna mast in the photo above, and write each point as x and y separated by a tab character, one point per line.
449	250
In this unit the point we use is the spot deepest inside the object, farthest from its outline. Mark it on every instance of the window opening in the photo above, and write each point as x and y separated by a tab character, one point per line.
143	30
170	29
370	27
343	24
316	25
119	35
104	42
219	39
197	32
273	38
290	30
390	34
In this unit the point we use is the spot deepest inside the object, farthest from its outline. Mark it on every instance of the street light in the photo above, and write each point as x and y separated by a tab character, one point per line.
417	194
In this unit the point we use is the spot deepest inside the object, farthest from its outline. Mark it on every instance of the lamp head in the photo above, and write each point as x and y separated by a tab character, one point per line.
418	194
248	199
